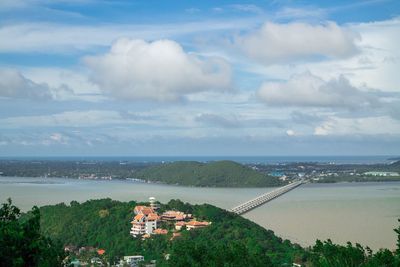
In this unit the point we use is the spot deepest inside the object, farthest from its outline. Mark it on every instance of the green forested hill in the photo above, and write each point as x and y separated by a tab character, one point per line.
213	174
230	239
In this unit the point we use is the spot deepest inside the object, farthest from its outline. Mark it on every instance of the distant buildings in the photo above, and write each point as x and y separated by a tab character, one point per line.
382	173
131	261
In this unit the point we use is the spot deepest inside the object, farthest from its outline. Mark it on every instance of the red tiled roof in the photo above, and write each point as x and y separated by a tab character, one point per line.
152	217
196	223
101	251
138	217
139	208
143	209
147	210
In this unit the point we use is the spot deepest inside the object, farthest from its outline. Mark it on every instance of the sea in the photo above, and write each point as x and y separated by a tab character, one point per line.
364	213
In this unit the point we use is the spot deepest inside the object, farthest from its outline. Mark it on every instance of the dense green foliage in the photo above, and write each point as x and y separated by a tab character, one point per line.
230	239
218	174
21	242
100	223
327	254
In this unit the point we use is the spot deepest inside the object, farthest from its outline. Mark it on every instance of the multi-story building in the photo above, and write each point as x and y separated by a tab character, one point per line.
138	225
145	221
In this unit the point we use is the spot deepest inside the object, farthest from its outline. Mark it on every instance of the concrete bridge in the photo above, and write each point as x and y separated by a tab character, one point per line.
260	200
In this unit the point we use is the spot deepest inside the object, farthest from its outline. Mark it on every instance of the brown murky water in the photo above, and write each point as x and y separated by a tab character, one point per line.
356	212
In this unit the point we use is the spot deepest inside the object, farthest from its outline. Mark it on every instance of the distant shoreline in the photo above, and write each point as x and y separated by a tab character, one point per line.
353	159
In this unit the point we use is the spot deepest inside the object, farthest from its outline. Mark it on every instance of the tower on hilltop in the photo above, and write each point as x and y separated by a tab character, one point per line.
153	203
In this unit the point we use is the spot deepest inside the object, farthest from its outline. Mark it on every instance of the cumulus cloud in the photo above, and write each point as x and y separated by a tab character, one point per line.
159	70
308	90
281	43
14	85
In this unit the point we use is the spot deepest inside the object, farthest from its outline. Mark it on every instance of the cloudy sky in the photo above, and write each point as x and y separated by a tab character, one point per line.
131	78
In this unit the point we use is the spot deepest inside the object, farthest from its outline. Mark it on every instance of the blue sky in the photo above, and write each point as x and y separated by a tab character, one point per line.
131	78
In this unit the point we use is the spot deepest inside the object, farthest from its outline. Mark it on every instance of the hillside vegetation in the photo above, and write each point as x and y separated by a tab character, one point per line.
213	174
230	240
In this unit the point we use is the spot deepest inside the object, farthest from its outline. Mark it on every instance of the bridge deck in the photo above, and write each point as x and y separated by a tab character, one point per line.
260	200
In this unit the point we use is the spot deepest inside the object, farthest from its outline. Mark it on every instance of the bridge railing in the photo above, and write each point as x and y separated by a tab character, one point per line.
265	197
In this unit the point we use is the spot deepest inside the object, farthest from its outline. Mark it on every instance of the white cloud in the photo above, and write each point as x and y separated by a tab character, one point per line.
290	133
280	43
14	85
360	126
76	80
375	66
160	70
308	90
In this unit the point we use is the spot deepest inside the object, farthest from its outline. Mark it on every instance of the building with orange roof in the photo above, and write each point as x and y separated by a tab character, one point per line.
172	215
179	225
143	210
152	217
147	210
144	222
101	251
138	209
196	224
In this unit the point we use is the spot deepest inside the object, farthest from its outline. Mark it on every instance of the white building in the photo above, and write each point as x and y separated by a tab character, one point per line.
145	222
132	261
138	225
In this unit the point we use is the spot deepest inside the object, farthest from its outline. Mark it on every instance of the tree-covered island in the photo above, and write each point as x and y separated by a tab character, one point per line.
223	173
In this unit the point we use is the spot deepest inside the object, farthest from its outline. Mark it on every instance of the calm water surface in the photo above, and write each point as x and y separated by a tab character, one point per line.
358	212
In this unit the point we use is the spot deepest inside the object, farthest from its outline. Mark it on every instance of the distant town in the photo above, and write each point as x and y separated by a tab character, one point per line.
150	172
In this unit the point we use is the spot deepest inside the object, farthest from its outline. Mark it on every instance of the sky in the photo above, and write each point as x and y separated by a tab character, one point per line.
218	78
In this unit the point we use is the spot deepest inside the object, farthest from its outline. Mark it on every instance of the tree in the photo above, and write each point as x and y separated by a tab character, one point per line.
397	230
21	243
